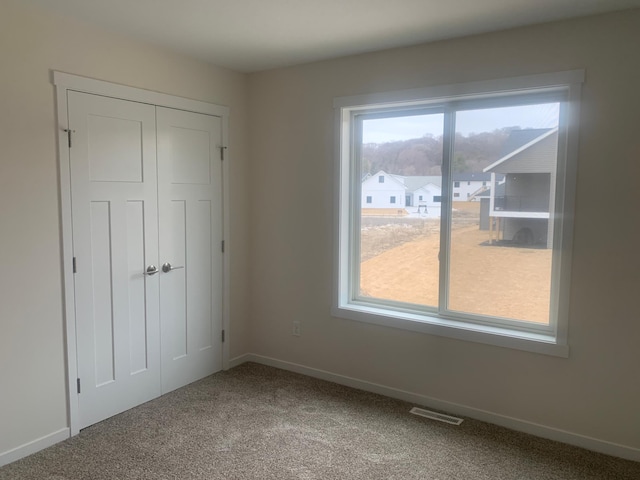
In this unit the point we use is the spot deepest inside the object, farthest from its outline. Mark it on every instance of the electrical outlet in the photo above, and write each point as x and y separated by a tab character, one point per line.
296	329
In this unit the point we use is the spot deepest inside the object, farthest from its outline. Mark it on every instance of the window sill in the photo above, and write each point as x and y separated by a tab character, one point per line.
459	330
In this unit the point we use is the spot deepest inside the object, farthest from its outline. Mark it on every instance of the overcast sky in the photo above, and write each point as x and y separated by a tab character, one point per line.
470	121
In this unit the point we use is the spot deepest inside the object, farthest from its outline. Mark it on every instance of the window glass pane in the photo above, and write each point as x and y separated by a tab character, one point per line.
400	229
502	231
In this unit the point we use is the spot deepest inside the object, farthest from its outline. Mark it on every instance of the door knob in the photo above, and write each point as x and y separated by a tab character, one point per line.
166	268
151	270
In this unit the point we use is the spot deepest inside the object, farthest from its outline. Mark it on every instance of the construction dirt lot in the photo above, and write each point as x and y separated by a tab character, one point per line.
400	262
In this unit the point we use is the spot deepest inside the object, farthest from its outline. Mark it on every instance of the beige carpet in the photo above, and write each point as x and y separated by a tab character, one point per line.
256	422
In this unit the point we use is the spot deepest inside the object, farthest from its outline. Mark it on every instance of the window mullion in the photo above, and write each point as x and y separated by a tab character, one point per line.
445	211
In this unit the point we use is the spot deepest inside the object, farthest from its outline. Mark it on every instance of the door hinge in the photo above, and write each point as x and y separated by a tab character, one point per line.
222	336
222	246
78	383
69	132
75	269
222	149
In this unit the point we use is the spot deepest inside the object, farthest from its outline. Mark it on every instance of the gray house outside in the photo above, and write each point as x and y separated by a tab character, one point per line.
520	208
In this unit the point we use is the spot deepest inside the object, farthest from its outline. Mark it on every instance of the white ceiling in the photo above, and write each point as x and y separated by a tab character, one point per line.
254	35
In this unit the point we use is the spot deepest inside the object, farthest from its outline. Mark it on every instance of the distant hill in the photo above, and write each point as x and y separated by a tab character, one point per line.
423	156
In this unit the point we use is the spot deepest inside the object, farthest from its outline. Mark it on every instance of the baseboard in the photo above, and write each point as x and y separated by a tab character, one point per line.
538	430
33	446
247	357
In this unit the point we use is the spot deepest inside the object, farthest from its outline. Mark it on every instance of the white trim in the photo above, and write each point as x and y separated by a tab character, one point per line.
99	87
239	360
565	210
548	339
543	431
68	306
400	98
33	446
460	330
226	237
64	83
514	214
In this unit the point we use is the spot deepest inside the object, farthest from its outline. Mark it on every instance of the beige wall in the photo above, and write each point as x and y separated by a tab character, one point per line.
32	43
282	271
595	392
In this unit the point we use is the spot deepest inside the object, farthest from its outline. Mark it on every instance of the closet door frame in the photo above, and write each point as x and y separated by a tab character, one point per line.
63	83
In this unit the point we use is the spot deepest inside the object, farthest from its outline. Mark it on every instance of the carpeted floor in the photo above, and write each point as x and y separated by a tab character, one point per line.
257	422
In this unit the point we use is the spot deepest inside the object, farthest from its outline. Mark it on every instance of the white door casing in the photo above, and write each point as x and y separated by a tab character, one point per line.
114	195
121	199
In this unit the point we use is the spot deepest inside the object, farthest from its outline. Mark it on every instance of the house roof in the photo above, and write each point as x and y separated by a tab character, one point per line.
413	183
522	140
394	178
519	138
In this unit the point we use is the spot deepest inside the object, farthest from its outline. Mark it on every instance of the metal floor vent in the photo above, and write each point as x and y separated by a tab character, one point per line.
436	416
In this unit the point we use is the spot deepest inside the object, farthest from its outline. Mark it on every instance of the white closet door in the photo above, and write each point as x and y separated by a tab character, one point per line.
190	213
114	211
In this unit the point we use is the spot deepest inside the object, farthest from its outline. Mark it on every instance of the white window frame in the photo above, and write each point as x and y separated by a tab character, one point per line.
545	339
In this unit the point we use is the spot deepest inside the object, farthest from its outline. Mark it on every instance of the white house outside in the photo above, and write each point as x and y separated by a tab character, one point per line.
383	190
467	186
429	195
420	194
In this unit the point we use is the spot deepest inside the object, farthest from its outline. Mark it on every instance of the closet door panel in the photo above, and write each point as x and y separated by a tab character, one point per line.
190	213
115	238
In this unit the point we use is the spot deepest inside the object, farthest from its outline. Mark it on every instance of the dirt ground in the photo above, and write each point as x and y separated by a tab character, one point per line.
400	262
384	212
